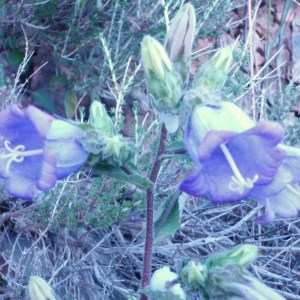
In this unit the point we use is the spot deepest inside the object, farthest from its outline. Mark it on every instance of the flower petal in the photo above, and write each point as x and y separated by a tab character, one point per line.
204	118
200	184
281	197
48	176
62	143
22	187
39	119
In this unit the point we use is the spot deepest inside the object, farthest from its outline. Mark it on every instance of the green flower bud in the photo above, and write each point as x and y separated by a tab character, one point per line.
155	58
116	150
165	280
264	290
39	289
100	120
211	76
241	255
194	275
180	38
163	83
232	282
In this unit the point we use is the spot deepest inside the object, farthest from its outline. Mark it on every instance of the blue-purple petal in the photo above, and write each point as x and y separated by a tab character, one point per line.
281	197
62	142
57	152
225	117
21	186
48	175
39	119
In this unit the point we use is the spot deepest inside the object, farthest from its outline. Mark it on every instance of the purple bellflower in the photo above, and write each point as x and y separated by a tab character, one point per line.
237	159
36	150
282	196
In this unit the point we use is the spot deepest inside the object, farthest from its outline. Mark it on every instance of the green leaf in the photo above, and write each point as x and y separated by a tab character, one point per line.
118	173
57	81
43	99
70	103
15	58
167	218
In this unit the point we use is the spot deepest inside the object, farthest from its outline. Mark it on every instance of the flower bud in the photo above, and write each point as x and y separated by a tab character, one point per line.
180	38
233	282
39	289
100	119
241	255
264	290
211	76
163	83
194	275
155	59
165	280
116	150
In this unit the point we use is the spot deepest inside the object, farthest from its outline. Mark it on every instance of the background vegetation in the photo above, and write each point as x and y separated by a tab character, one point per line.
85	237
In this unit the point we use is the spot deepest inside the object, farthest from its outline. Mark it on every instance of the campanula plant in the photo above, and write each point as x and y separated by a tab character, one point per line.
36	150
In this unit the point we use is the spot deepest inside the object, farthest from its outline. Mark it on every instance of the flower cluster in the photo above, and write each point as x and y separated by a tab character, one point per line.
36	150
102	140
237	159
167	67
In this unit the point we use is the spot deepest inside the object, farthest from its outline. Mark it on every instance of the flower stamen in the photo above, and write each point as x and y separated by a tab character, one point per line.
17	154
238	182
292	189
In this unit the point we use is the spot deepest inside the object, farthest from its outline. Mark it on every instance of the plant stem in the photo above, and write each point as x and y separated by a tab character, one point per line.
146	275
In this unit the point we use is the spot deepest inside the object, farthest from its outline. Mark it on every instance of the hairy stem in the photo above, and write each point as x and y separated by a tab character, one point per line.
146	275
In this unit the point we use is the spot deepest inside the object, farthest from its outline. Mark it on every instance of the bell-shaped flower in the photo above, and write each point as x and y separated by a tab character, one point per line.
281	197
231	157
36	150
